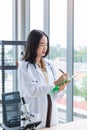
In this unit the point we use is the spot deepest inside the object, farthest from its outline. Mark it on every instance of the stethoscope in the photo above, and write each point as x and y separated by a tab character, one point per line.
37	72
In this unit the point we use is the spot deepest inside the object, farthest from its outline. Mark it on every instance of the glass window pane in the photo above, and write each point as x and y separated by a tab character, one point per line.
36	14
58	16
80	59
8	81
0	83
5	28
5	19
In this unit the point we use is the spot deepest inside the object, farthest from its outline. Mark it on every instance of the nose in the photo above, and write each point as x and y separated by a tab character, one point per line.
45	47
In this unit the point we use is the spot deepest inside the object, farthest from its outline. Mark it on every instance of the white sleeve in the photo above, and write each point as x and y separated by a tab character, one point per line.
60	94
55	95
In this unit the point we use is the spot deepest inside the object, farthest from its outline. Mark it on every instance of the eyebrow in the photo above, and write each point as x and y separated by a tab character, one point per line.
43	42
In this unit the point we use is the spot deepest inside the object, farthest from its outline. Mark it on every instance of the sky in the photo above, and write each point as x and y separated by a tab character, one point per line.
58	18
5	19
80	22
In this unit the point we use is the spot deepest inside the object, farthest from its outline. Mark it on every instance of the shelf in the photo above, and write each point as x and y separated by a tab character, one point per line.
10	67
10	54
12	42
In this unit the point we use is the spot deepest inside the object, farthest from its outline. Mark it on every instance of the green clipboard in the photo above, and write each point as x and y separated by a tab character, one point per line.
57	87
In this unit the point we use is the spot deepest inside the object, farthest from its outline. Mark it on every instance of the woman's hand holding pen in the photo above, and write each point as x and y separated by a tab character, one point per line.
62	81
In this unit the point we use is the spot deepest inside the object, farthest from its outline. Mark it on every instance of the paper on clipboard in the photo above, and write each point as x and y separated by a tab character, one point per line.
71	77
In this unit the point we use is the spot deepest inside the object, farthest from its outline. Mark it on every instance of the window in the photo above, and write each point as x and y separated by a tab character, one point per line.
5	19
36	14
58	16
5	28
80	58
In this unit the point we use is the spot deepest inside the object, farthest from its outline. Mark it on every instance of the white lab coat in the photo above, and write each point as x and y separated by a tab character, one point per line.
34	89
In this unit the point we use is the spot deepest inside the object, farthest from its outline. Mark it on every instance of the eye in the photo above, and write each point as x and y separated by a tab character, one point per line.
43	44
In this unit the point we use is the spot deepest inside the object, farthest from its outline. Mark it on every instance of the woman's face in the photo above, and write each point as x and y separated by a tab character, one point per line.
42	47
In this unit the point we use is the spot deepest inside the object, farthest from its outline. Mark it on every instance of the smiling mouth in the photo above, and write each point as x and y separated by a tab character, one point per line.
43	52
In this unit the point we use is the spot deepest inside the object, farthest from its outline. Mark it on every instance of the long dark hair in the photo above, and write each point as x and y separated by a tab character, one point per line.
32	45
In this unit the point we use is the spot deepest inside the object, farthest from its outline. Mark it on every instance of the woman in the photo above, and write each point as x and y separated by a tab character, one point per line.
37	77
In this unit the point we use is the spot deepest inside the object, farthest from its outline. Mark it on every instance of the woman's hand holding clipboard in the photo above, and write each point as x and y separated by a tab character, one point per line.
62	81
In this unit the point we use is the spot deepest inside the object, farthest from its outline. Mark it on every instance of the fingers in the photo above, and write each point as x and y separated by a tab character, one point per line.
65	75
62	87
62	80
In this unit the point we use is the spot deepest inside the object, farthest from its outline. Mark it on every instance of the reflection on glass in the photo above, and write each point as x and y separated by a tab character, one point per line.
80	59
58	16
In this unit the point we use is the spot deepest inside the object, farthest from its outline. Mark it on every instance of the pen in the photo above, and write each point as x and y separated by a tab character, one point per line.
61	71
